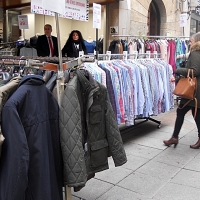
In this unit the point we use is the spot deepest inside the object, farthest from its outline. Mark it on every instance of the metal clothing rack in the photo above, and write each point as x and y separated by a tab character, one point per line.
150	36
40	63
141	121
124	55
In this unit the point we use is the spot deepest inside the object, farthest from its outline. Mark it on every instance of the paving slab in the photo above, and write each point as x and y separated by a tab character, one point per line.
193	165
187	178
113	175
173	157
143	184
159	170
141	151
172	191
94	189
119	193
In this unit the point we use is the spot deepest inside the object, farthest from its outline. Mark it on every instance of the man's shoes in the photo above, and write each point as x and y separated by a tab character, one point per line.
196	146
171	141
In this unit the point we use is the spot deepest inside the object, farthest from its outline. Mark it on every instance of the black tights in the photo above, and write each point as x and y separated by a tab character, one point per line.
180	118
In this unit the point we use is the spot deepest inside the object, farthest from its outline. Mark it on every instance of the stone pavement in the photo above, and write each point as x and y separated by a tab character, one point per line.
153	171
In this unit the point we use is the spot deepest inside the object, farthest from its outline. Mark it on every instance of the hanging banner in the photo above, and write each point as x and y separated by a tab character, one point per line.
78	10
23	21
38	9
58	7
96	16
183	20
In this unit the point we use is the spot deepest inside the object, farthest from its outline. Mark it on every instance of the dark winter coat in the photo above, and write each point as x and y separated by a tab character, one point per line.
31	162
71	51
192	63
88	130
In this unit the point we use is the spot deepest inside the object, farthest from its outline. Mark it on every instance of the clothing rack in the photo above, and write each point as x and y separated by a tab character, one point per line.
150	36
124	55
44	63
40	63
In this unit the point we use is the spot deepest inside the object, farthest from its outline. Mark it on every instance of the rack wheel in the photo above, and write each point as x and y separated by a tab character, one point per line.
159	126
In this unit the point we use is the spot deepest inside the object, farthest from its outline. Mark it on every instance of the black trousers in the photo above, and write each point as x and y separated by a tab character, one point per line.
180	119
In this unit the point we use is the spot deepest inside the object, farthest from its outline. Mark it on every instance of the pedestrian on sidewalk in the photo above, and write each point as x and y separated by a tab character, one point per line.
193	63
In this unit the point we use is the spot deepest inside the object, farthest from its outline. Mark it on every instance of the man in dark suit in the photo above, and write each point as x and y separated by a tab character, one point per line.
47	44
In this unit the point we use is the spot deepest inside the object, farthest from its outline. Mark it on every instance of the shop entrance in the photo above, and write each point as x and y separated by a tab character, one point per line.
156	18
153	19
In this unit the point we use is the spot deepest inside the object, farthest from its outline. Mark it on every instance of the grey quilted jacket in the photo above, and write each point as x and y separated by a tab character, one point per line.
89	131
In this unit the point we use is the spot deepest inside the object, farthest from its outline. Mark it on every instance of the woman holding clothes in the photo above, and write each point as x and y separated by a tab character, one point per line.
74	44
193	63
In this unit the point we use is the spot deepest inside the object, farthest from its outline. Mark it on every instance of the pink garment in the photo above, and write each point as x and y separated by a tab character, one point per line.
163	50
172	62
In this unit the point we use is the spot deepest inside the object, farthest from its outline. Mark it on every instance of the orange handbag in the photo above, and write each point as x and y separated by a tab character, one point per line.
186	88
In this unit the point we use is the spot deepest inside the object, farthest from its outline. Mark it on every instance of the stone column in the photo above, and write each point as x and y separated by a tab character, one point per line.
118	15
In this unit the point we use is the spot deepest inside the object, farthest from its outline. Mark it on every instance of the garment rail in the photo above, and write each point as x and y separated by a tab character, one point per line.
45	63
150	36
38	63
138	120
125	55
85	58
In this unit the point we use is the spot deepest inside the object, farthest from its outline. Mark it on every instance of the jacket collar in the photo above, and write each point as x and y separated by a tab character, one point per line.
33	79
86	80
195	46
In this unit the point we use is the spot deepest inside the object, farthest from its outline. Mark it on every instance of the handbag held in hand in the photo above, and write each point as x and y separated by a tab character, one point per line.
186	88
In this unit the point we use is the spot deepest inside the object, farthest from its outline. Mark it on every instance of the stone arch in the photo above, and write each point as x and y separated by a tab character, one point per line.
157	17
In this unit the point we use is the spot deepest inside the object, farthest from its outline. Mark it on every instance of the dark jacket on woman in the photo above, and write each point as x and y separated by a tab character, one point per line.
192	63
89	130
31	162
71	50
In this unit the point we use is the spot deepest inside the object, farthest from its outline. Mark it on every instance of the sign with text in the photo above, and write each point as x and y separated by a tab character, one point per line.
76	9
58	7
96	16
73	9
183	20
23	21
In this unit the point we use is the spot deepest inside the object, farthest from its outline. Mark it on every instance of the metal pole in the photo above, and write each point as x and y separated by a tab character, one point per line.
60	88
97	44
59	45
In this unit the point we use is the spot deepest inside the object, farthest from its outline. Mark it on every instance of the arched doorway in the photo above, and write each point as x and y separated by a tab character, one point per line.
156	18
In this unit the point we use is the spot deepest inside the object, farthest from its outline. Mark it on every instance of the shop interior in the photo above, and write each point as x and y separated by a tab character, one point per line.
9	29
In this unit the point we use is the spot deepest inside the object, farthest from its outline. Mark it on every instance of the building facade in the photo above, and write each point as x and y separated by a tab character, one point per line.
147	17
126	17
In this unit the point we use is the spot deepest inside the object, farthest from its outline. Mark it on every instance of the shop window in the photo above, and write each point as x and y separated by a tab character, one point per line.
193	26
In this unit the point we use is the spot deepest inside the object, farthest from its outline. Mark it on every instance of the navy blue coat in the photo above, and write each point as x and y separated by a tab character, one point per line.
31	162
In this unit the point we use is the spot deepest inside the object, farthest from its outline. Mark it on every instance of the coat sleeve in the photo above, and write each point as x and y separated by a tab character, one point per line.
71	138
15	156
114	137
193	63
65	50
39	47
